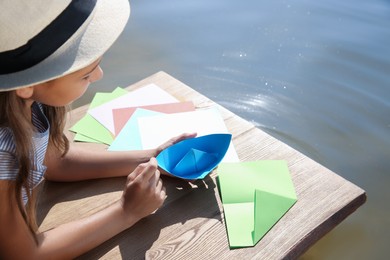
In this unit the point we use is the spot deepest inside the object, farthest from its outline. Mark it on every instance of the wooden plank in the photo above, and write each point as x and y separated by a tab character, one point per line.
190	224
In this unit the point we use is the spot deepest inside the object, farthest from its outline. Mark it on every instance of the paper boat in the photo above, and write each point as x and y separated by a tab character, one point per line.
194	158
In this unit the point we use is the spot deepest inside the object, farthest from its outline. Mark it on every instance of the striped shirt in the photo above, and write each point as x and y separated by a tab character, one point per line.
8	163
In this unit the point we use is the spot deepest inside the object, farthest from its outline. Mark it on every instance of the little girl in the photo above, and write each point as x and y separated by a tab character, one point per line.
49	53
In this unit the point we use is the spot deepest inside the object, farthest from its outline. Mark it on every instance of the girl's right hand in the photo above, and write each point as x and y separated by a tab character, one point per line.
144	192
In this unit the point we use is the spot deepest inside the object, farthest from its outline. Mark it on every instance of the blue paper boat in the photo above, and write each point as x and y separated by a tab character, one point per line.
194	158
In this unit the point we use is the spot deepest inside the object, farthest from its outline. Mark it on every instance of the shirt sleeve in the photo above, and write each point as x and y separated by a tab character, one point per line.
8	163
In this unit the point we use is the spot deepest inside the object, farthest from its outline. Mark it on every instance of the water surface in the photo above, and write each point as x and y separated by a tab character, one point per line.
314	74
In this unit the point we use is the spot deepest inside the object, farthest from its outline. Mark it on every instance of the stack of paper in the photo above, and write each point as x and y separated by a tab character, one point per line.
145	118
90	130
148	95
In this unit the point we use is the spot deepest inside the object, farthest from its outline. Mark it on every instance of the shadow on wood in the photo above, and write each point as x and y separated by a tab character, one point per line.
186	201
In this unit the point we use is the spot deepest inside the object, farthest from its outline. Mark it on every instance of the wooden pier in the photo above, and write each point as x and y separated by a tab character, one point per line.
190	225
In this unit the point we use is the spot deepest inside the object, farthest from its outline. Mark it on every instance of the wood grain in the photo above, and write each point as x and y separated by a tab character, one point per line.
190	224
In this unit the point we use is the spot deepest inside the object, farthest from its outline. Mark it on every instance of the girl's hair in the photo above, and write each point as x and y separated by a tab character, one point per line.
13	115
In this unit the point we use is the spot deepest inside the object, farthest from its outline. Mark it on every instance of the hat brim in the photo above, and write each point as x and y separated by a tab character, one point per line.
90	42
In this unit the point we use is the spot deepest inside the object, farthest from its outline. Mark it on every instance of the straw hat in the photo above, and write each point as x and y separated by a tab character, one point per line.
42	40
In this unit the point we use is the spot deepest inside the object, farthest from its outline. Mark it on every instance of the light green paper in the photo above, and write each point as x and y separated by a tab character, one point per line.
89	129
82	138
255	195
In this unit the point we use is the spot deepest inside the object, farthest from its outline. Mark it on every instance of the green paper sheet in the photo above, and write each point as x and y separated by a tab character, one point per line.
255	195
82	138
87	129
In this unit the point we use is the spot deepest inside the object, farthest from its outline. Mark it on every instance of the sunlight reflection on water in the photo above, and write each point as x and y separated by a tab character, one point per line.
314	74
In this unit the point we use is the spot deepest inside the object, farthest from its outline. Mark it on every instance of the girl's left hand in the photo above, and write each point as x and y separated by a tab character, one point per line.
174	140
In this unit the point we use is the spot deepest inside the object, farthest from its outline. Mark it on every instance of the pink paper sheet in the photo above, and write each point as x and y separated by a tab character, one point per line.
122	115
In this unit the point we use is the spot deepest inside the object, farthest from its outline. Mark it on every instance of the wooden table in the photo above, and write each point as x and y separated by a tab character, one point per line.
190	225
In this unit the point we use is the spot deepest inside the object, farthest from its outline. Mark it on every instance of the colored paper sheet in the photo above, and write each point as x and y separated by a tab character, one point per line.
255	195
194	158
147	95
128	139
155	130
88	129
122	115
82	138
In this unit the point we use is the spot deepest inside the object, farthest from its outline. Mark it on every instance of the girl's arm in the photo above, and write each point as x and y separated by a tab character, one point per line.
83	164
143	194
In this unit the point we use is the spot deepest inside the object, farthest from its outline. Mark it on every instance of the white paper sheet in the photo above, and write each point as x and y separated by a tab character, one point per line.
148	95
155	130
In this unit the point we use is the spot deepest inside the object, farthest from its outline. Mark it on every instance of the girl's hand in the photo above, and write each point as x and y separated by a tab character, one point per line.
144	192
175	140
170	142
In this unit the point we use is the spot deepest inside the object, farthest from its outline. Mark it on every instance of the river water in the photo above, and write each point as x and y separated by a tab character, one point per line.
314	74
